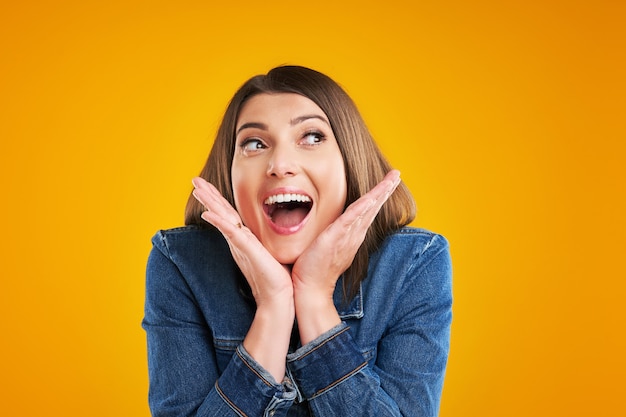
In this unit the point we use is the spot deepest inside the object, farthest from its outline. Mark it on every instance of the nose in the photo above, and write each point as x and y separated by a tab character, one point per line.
282	163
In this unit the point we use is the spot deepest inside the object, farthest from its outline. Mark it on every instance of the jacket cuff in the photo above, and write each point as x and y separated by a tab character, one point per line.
244	376
325	362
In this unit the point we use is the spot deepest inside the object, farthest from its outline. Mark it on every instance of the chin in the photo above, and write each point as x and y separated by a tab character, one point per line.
286	256
286	260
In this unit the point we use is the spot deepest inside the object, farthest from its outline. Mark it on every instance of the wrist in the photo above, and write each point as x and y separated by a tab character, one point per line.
275	301
267	340
316	314
277	312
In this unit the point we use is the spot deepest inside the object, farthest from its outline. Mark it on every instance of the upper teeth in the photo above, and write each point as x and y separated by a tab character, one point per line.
287	198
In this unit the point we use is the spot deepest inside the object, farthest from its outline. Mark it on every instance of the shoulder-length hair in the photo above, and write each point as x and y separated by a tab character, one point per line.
365	166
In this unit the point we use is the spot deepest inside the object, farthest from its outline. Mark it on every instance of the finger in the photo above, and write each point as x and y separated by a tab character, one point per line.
206	187
222	216
213	201
367	206
219	212
207	192
226	225
381	192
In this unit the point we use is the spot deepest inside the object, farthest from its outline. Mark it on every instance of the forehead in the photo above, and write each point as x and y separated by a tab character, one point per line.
279	107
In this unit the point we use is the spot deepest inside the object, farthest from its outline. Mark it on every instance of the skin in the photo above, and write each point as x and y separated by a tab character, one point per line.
284	143
291	275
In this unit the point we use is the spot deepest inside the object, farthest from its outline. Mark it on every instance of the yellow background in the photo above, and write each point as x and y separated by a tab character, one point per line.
506	118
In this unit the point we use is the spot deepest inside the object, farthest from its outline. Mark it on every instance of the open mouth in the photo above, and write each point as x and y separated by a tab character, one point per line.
287	210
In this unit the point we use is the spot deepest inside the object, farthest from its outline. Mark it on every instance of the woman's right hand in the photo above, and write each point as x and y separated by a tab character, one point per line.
268	279
267	340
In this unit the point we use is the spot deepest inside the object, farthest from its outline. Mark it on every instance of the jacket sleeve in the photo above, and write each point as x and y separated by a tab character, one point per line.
183	374
406	376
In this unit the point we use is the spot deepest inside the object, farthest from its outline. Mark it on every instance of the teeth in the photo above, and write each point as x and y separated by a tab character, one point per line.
287	198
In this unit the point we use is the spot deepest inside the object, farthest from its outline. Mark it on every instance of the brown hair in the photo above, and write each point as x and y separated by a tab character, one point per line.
365	165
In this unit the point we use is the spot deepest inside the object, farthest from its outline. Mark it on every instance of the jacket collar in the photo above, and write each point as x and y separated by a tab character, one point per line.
348	310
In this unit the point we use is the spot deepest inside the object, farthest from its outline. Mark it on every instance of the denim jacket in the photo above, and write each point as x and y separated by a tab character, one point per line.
387	357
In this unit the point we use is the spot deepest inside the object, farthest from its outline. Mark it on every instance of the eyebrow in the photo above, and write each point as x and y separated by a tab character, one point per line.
250	125
292	122
301	119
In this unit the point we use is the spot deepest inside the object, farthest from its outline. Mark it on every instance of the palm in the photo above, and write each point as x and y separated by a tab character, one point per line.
332	252
265	275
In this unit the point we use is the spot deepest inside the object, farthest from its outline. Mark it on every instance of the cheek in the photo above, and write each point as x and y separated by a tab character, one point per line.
242	194
243	202
332	177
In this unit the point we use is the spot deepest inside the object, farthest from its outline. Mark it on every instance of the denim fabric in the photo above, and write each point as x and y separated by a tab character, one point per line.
386	358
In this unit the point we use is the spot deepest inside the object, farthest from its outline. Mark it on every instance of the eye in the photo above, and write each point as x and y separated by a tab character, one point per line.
252	145
313	138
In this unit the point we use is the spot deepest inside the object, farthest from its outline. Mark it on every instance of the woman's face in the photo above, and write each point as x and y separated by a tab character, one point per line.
288	176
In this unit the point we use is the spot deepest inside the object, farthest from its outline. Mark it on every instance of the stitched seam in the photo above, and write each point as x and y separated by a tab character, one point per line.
326	341
339	381
228	401
433	257
266	382
413	231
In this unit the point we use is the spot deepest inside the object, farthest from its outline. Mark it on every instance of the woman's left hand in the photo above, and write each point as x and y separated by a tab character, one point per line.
316	271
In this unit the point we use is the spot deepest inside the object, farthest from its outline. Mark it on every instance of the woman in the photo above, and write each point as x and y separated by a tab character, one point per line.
295	289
